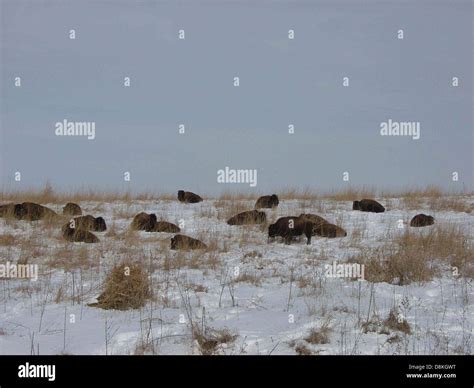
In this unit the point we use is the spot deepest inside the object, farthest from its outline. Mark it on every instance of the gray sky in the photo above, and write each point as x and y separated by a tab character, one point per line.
190	81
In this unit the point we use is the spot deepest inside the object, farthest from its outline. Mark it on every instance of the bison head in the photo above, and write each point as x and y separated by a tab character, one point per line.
99	224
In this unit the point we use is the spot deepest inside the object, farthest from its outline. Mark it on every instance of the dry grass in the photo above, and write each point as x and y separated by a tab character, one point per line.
247	277
7	240
229	208
127	286
350	194
412	256
209	340
450	204
68	257
415	192
318	336
48	195
237	196
302	350
394	323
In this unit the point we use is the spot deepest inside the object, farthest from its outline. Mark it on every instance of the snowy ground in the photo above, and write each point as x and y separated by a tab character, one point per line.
242	283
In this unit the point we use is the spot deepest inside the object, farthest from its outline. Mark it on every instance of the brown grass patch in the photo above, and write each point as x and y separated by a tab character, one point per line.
394	323
48	194
412	256
209	340
302	350
7	239
127	286
318	336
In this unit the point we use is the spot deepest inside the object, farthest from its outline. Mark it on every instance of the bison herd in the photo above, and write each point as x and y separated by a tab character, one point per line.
81	228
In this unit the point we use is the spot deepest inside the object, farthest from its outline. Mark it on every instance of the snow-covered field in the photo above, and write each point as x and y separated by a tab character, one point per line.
270	295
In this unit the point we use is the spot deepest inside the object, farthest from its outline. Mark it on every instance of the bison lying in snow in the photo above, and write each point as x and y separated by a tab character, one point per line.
188	197
27	211
248	218
149	223
144	221
421	220
78	235
289	227
322	227
184	242
168	227
329	230
368	205
267	202
72	209
89	223
313	218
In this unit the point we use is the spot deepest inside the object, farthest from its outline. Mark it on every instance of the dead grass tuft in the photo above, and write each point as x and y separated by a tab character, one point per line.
318	336
209	340
126	287
395	322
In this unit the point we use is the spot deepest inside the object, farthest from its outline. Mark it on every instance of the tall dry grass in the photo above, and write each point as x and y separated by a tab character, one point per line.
416	255
48	194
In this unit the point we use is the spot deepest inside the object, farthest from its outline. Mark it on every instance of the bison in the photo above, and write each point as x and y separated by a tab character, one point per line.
421	220
181	241
167	227
329	230
368	205
78	235
289	227
248	218
32	211
267	202
188	197
90	223
144	221
317	220
72	209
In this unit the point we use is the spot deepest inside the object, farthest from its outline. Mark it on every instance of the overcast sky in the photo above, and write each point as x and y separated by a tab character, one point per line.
190	82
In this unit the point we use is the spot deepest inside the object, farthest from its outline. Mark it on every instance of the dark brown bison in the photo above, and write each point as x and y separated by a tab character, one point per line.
184	242
96	224
188	197
32	211
248	218
72	209
317	220
368	205
329	230
421	220
167	227
289	227
144	221
267	202
78	235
